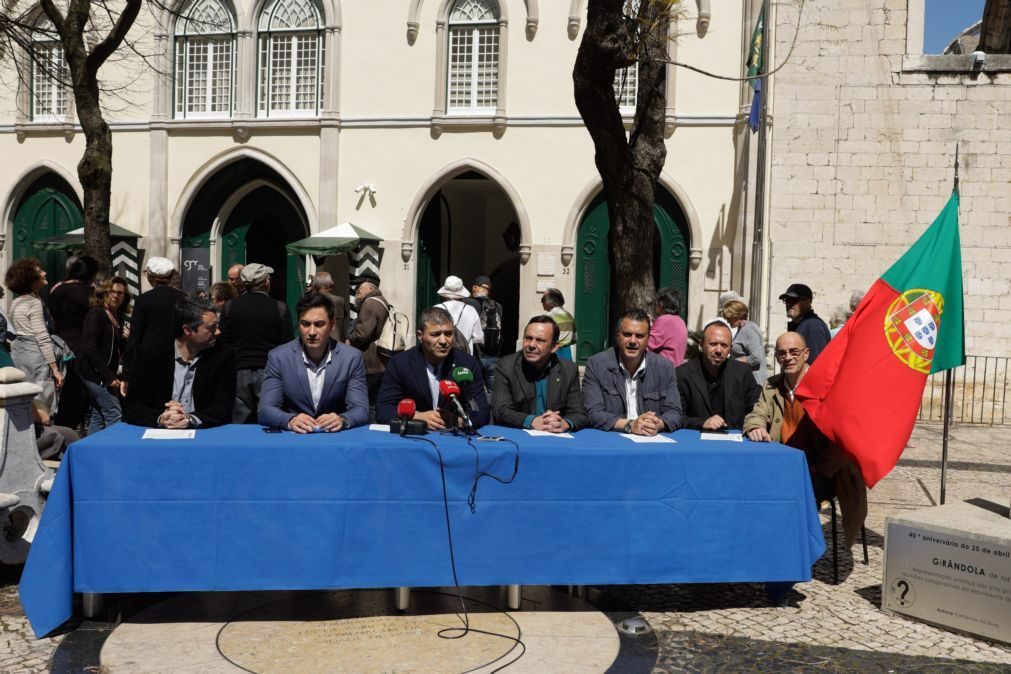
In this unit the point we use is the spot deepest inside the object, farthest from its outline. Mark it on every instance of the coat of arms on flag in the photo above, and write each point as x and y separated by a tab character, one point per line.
912	325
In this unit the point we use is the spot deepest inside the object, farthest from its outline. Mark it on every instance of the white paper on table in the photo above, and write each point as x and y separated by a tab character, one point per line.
547	434
382	428
725	437
648	438
169	434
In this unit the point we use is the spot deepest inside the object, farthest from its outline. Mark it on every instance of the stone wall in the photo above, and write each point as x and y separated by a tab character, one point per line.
862	150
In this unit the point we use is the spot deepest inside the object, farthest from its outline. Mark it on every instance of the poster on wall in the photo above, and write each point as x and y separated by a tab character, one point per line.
196	270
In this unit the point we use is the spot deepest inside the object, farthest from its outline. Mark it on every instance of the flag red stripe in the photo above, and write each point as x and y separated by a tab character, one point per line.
860	394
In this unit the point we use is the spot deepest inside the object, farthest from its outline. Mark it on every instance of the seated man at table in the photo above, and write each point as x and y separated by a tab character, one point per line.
188	382
417	372
536	389
314	383
628	388
717	392
778	417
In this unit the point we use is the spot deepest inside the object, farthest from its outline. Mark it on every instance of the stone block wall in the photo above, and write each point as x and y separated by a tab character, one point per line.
862	150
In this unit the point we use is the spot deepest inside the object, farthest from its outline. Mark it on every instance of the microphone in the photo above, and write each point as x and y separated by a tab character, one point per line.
450	390
462	376
405	411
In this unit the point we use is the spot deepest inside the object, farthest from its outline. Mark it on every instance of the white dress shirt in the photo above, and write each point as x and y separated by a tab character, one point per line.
632	388
317	376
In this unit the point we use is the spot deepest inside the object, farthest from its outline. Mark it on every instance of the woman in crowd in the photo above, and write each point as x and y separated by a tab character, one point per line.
102	352
32	349
68	303
669	334
748	346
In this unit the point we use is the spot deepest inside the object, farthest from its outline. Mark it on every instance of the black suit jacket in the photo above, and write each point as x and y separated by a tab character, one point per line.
153	376
515	395
740	393
406	377
153	320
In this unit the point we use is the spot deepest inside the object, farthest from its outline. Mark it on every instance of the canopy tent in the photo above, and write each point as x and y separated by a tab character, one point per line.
343	238
75	238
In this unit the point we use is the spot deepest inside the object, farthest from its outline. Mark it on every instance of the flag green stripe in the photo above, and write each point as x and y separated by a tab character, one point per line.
934	262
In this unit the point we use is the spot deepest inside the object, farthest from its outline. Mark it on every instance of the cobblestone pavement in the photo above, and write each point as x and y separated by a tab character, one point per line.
838	628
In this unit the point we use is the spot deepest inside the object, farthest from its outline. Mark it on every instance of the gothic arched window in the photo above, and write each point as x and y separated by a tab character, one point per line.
205	61
473	65
291	54
50	95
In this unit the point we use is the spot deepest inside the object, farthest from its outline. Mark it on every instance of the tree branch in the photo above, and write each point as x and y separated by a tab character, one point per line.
104	49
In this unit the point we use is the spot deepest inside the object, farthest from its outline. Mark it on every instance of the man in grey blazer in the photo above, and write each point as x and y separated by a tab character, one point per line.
628	388
314	384
534	388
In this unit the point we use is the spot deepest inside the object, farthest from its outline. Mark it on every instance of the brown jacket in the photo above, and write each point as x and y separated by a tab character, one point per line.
337	334
372	316
828	459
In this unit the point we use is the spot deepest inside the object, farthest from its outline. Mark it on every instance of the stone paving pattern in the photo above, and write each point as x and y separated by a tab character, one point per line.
730	627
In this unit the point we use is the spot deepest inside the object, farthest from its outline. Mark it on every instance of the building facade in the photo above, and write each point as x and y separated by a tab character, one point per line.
447	128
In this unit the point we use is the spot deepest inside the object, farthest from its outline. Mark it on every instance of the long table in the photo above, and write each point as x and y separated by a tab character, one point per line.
239	509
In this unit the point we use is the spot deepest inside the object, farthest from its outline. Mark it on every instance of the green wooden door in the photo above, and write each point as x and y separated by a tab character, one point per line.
593	273
593	284
233	247
295	284
428	258
43	215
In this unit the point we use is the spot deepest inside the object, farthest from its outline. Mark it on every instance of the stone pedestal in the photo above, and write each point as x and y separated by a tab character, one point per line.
951	566
24	480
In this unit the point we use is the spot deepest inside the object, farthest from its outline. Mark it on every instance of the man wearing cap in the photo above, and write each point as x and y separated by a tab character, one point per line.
152	319
253	324
803	320
466	321
373	312
490	313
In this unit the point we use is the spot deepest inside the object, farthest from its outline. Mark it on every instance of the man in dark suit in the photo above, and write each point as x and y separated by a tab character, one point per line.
628	388
314	383
153	312
416	373
534	388
716	392
188	382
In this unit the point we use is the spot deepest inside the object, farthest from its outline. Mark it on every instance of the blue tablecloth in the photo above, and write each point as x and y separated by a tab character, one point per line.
240	509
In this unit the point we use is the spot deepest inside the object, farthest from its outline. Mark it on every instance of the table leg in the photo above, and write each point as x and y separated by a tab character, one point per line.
91	604
403	598
514	597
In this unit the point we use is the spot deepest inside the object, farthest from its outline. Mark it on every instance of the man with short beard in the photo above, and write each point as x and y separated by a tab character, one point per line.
716	391
629	389
534	388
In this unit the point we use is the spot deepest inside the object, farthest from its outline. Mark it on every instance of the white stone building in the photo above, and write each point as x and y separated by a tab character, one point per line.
446	127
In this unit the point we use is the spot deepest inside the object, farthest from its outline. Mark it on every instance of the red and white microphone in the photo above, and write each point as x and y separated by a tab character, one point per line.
450	390
405	412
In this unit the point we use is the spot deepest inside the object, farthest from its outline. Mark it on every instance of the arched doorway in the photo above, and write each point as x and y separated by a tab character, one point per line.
250	212
593	310
469	228
48	208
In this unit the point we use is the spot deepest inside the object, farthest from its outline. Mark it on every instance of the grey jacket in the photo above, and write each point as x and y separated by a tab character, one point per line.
604	390
514	397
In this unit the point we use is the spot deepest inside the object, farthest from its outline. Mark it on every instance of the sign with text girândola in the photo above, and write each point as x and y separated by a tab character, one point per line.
196	270
951	566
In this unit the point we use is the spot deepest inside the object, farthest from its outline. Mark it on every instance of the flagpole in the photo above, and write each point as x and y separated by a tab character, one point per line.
949	390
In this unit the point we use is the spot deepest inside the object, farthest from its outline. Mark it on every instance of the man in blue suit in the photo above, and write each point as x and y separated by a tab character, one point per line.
416	373
313	383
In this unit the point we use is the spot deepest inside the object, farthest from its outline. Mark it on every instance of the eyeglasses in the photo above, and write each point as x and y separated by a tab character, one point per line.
791	353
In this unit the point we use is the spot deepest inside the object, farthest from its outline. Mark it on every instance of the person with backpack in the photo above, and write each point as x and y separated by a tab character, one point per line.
467	330
373	313
490	313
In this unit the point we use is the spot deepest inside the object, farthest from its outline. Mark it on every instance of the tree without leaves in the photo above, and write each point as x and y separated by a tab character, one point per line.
629	163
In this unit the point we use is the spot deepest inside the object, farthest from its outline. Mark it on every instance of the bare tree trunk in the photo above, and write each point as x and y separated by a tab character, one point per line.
95	168
995	32
629	165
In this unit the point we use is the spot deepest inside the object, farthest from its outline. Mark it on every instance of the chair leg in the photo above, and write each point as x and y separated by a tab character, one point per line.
863	541
835	548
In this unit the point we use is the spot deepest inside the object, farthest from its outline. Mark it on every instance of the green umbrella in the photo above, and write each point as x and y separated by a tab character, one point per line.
339	239
75	238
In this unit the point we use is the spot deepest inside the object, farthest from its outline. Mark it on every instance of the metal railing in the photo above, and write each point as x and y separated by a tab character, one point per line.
980	393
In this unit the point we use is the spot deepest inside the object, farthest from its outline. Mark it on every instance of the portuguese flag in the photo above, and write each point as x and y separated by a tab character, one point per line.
864	390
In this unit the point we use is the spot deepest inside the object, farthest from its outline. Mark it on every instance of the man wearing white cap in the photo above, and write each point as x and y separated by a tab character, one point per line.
465	318
253	324
153	312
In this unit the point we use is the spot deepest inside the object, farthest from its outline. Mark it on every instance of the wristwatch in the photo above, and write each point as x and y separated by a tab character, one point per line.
345	422
192	420
628	427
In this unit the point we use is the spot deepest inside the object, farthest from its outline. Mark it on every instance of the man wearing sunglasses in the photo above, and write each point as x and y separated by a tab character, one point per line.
803	320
